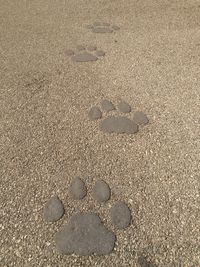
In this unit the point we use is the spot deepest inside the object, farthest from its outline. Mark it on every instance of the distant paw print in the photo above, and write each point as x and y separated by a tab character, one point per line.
117	124
102	27
85	233
83	54
144	262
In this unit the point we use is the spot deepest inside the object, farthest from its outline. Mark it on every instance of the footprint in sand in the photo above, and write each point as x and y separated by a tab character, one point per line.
102	27
83	54
85	233
117	124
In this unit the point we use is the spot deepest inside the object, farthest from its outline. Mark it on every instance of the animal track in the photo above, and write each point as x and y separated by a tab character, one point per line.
85	55
117	124
85	233
102	27
144	262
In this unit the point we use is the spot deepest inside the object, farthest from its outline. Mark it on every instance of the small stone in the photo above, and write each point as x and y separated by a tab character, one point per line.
120	215
101	191
100	53
124	107
53	209
85	234
140	118
78	189
18	254
107	105
94	113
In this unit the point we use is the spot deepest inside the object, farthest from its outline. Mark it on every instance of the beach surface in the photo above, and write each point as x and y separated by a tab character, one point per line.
47	139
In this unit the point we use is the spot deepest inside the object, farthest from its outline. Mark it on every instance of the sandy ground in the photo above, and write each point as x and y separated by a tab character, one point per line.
46	138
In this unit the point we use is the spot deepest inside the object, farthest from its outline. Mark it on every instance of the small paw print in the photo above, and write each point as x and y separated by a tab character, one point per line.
117	124
83	54
102	27
143	261
85	233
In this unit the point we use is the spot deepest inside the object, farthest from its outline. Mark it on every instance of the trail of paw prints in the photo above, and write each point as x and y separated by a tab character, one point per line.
102	27
85	54
117	124
85	233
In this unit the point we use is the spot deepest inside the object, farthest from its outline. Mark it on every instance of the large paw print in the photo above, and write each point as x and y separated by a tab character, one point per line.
85	233
117	124
83	54
102	27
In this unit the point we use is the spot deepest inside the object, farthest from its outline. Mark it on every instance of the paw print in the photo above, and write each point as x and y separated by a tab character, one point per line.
85	233
143	261
85	55
117	124
102	27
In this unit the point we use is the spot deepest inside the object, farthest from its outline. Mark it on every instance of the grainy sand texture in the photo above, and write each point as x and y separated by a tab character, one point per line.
151	61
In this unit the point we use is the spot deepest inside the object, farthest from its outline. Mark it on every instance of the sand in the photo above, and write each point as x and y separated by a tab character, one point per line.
46	138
